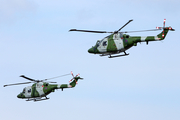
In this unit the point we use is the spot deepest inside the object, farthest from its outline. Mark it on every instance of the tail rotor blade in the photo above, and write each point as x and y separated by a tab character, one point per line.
164	23
77	75
71	79
72	73
158	28
163	27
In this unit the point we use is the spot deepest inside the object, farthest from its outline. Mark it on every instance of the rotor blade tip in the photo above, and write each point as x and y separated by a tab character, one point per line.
72	30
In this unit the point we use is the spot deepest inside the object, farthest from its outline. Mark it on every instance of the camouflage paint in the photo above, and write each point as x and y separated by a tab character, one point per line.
42	89
113	42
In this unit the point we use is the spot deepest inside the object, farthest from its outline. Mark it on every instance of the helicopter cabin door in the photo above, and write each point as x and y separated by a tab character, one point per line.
28	92
103	45
39	88
118	41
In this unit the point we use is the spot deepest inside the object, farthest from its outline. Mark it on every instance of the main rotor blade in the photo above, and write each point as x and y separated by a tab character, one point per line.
125	24
58	76
141	31
27	78
52	82
17	84
90	31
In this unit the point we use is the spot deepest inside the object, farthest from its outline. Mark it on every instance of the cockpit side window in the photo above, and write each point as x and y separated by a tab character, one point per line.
98	43
24	90
29	91
104	43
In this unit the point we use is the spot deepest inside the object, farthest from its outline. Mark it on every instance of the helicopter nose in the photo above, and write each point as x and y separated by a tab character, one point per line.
91	50
20	95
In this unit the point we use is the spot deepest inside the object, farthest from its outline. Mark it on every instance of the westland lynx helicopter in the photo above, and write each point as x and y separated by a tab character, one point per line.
118	42
41	89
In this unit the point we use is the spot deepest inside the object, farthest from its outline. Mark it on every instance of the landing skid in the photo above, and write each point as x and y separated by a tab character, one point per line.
37	99
117	56
125	54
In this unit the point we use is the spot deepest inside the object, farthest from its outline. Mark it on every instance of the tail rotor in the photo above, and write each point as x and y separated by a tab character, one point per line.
74	77
160	28
164	28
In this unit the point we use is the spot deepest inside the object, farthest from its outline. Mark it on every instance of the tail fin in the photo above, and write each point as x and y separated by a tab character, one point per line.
163	34
74	82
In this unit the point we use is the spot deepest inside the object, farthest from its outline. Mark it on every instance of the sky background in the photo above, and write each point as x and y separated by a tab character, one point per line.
34	41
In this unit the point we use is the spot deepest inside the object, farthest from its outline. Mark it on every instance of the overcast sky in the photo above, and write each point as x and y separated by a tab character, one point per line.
34	41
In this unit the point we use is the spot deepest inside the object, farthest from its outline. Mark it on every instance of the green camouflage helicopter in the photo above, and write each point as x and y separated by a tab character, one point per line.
118	42
41	89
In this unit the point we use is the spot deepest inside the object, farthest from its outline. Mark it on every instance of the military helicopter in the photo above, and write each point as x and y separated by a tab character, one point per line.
117	42
41	89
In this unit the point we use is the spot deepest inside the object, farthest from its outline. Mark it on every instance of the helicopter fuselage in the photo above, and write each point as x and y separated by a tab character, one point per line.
42	89
118	42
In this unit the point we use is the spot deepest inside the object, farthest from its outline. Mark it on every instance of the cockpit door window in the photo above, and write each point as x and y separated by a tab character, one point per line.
104	43
29	91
